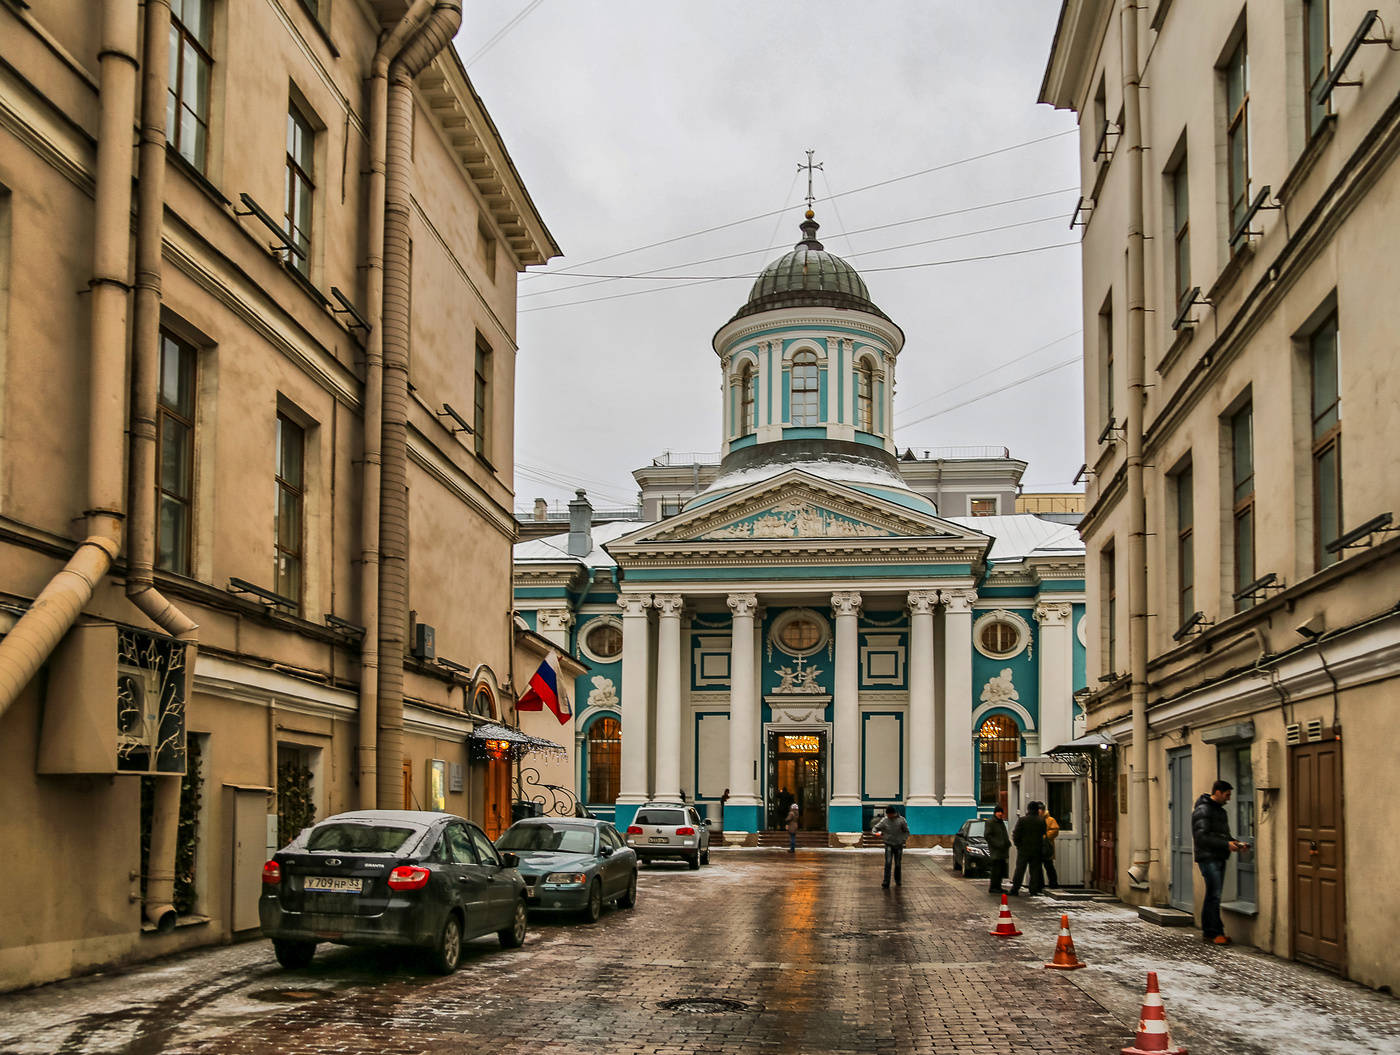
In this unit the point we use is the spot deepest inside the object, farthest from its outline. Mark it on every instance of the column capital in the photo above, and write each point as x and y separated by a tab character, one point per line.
847	602
668	604
743	605
921	602
634	603
959	600
554	618
1055	613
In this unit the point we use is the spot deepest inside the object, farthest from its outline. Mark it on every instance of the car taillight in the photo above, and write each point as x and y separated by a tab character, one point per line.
272	873
409	877
685	831
634	829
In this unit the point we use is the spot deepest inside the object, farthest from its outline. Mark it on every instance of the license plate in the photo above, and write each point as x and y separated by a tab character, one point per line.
658	839
335	884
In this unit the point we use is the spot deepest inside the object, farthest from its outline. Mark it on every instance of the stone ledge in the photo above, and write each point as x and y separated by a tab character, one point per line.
1166	917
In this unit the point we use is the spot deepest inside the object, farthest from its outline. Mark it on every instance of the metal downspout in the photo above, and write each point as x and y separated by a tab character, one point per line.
1139	815
141	477
30	642
388	50
436	33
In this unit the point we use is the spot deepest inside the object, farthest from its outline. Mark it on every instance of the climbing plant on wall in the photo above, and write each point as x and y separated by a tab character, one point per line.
295	807
187	834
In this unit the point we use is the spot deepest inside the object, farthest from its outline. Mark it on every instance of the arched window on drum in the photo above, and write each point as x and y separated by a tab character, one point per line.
604	760
746	400
998	742
865	396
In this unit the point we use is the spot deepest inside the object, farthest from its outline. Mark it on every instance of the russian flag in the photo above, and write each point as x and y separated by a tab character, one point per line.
543	690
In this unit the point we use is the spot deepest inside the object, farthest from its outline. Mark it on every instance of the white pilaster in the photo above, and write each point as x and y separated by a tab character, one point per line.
668	695
554	624
1056	674
845	726
743	786
957	711
921	717
636	697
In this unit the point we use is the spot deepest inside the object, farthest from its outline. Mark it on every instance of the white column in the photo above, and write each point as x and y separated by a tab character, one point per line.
636	697
845	731
668	695
554	623
921	787
1056	674
957	711
743	786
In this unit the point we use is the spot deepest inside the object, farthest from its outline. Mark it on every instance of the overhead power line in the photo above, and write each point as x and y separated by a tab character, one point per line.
996	391
844	194
499	35
986	373
602	279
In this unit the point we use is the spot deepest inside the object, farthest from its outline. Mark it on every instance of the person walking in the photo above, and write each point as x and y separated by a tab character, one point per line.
1029	839
998	848
894	829
792	825
1052	829
1210	835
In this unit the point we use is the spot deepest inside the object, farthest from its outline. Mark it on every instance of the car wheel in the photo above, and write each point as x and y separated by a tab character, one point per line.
594	908
957	863
629	898
514	936
293	954
447	950
694	861
705	857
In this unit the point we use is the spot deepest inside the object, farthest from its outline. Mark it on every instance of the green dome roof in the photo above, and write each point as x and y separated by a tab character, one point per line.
808	276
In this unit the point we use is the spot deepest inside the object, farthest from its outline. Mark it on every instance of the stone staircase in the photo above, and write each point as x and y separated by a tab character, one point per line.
805	840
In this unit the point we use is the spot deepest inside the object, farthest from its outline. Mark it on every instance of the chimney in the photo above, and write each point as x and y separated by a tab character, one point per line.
541	509
580	525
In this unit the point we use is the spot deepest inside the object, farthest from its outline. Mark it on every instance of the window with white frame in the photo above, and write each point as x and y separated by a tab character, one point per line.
803	405
865	396
747	386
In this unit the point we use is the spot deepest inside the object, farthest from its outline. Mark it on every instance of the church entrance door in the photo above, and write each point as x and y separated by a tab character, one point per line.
797	773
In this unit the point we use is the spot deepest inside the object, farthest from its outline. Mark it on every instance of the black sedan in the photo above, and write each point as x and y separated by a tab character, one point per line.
390	877
572	864
970	853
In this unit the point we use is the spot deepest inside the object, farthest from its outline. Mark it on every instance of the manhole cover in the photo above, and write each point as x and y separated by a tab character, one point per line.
703	1005
280	996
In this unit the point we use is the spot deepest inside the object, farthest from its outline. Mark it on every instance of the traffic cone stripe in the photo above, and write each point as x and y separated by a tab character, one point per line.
1153	1037
1064	958
1006	927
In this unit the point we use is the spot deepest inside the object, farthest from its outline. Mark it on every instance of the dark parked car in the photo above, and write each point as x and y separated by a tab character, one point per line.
970	851
390	877
572	864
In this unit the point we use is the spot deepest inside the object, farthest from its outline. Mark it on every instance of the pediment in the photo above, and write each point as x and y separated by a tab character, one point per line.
798	507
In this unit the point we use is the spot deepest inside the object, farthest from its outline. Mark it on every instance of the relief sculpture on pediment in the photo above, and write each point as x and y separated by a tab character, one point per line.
796	520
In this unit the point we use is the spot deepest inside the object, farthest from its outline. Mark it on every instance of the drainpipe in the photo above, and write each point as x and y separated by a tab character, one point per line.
1139	816
28	645
389	48
141	477
436	33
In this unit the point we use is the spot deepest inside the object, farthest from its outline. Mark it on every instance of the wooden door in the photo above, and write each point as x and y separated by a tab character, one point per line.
1183	872
1316	864
1105	829
495	816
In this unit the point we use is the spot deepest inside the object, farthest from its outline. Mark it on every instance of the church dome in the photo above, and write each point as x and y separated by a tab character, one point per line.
808	276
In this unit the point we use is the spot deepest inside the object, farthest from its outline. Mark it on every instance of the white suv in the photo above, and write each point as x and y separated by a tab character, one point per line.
670	829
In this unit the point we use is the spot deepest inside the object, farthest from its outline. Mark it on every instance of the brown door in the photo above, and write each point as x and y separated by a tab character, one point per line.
496	814
1318	887
1105	875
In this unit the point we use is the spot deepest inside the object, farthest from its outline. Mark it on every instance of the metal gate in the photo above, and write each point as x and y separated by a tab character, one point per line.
1183	894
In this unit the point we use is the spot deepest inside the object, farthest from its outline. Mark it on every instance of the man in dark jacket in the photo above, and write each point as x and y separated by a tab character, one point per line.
895	831
1210	832
1029	839
998	849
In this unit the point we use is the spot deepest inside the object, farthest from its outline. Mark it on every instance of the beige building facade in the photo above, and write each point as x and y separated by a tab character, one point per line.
1240	198
257	351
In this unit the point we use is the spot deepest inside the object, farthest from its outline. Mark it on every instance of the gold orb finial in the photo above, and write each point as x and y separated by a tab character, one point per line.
811	215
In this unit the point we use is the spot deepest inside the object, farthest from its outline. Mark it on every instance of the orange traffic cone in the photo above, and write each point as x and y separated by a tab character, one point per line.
1006	927
1064	958
1153	1038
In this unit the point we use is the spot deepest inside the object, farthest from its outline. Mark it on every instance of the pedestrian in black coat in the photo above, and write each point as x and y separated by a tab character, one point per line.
998	849
1029	839
1213	844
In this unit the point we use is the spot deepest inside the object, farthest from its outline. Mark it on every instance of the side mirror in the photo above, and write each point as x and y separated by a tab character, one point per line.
510	860
709	823
605	851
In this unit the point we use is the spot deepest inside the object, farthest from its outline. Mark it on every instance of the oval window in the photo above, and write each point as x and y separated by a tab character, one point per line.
1000	639
604	640
800	635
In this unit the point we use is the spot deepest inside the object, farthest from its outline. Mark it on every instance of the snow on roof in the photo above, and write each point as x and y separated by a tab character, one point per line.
1023	535
554	548
842	470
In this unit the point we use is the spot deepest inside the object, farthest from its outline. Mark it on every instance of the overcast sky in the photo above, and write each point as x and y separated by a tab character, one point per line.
634	122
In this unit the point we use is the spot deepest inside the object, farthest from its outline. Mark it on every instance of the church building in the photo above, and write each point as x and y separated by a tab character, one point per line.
804	625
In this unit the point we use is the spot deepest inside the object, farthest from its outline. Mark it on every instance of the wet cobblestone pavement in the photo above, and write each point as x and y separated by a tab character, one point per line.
764	952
